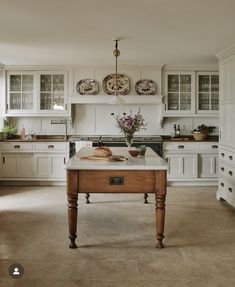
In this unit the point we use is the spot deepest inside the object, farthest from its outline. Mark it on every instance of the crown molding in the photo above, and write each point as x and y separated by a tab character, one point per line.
226	52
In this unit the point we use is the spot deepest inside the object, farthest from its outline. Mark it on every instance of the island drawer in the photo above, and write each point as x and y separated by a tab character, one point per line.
227	171
102	181
227	156
51	146
227	188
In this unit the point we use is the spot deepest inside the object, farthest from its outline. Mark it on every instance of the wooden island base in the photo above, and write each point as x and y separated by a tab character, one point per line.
116	181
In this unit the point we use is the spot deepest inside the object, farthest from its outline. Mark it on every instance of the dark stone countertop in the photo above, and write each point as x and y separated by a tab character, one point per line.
189	138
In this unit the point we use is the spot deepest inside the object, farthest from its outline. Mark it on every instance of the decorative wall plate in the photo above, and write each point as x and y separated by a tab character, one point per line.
109	84
87	87
146	87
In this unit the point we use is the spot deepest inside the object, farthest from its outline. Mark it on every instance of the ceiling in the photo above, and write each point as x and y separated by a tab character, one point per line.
80	32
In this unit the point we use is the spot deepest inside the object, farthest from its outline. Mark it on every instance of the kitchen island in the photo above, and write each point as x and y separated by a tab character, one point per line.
134	175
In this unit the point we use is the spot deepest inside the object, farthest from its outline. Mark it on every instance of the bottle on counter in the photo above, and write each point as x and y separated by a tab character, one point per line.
22	134
174	135
178	131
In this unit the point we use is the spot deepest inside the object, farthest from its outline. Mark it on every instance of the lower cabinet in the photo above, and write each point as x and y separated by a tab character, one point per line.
34	161
17	165
50	165
192	162
182	165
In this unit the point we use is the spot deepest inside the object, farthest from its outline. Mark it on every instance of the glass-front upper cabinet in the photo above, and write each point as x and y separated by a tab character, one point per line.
21	91
53	91
207	92
180	88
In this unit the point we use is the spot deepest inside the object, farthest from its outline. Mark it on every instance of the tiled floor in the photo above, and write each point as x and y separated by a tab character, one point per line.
116	238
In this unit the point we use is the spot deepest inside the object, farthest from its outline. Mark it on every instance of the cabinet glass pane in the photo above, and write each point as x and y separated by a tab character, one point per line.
58	101
185	101
185	83
173	83
204	101
45	85
173	101
45	103
27	101
27	83
215	83
15	101
204	83
58	83
15	83
215	101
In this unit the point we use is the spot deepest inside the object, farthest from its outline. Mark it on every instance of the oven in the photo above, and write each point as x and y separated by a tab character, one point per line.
155	142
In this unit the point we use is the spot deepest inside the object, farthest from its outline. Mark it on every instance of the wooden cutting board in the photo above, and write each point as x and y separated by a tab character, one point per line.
110	158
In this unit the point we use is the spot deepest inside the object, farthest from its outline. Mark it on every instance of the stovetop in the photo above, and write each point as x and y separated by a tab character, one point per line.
148	138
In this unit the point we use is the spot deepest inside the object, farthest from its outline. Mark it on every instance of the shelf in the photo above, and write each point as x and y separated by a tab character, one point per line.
106	99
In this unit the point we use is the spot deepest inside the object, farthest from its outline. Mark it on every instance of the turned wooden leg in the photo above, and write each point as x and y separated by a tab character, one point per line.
160	197
87	198
145	198
72	196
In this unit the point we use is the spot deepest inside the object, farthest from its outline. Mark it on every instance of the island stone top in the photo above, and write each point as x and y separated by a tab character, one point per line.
151	161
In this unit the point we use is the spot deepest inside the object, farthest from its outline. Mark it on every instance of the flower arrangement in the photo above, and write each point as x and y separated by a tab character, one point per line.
129	124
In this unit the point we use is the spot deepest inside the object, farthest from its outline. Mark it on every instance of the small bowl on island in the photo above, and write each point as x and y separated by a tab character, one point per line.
134	152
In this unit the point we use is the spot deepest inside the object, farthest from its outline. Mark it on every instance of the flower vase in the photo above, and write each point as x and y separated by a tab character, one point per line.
129	140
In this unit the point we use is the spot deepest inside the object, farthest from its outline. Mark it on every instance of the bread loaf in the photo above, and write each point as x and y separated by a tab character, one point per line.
102	151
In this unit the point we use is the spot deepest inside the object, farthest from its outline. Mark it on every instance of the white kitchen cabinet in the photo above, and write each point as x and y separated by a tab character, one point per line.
53	92
180	92
50	166
181	165
21	90
17	165
207	165
191	162
226	188
207	92
32	93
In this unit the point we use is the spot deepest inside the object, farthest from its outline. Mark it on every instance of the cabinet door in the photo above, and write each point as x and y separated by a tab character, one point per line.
180	88
25	165
21	91
227	119
58	166
227	83
208	92
53	92
182	165
42	166
9	165
208	165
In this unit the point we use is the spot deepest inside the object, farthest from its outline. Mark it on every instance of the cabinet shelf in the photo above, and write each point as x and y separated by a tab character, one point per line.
106	99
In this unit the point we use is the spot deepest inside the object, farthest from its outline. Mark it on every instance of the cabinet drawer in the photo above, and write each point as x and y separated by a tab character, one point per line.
51	146
212	147
227	171
227	188
116	181
227	156
181	146
17	146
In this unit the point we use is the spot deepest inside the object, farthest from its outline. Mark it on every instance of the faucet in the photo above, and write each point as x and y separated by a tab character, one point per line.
61	122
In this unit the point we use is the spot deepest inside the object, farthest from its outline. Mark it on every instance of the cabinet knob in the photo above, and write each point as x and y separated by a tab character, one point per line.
222	184
222	154
230	173
17	146
214	147
230	189
50	146
116	180
222	168
230	157
180	146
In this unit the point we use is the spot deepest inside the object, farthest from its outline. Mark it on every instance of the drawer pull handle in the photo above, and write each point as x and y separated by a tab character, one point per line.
3	159
230	189
230	157
180	146
222	184
50	146
222	168
230	173
222	154
116	180
17	146
214	147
